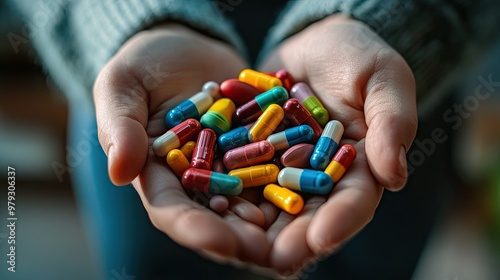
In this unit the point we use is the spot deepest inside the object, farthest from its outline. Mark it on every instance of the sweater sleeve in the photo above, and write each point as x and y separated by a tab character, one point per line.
437	38
74	39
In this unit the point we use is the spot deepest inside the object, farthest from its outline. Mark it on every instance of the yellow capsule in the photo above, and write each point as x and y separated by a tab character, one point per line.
188	149
257	175
177	162
284	198
261	81
219	116
335	170
266	123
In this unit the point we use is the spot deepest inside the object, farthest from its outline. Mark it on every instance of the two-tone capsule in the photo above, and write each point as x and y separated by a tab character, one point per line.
234	138
291	136
211	182
305	180
248	155
238	91
204	151
284	198
259	80
193	107
266	123
304	94
327	145
176	137
257	175
219	115
298	114
251	110
340	162
177	162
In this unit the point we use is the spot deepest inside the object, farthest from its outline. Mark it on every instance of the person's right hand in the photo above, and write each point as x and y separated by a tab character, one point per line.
153	72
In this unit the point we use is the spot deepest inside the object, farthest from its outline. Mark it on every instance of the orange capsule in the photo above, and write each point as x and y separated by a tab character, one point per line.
257	175
284	198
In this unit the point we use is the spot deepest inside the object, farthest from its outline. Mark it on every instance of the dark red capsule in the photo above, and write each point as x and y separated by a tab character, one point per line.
204	151
298	114
238	91
286	79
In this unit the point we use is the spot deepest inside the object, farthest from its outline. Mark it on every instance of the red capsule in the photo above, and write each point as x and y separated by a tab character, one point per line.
204	151
176	137
247	113
238	91
297	114
298	156
249	155
286	79
341	162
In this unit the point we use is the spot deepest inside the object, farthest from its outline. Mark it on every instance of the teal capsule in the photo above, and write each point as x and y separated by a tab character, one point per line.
211	182
305	180
251	110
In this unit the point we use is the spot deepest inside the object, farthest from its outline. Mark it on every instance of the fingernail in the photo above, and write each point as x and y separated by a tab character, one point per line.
402	163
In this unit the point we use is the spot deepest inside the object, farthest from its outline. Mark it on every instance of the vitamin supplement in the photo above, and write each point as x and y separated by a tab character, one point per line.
177	162
187	149
212	88
297	156
234	138
298	114
327	145
291	136
194	107
257	175
286	79
266	123
218	165
219	115
211	182
248	155
304	94
259	80
204	151
251	110
305	180
340	162
284	199
238	91
176	137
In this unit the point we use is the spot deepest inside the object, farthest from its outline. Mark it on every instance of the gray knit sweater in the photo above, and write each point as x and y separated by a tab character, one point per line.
74	39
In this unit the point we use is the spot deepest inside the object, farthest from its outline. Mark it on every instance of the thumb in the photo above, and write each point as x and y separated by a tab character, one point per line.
122	114
391	117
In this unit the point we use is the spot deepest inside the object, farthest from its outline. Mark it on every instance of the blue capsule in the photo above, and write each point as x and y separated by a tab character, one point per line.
234	138
327	145
305	180
291	136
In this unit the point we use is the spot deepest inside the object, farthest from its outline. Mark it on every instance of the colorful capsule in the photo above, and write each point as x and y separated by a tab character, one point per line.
297	156
248	155
298	114
177	162
238	91
304	94
256	175
291	136
176	137
219	115
283	198
204	151
286	79
305	180
266	123
234	138
259	80
211	182
340	162
251	110
188	148
327	145
194	107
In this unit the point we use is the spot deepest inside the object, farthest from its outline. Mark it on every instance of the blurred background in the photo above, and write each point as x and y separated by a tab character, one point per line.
50	236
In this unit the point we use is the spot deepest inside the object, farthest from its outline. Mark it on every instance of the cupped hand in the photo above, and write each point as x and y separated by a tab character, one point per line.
154	71
367	86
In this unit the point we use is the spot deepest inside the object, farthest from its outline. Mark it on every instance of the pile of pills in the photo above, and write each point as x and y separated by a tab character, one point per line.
247	132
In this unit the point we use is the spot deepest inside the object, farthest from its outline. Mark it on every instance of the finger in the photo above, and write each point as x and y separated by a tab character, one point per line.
350	206
121	112
219	203
391	117
246	211
290	249
270	211
186	221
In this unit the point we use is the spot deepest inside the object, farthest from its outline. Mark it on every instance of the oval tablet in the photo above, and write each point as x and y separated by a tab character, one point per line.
238	91
297	156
